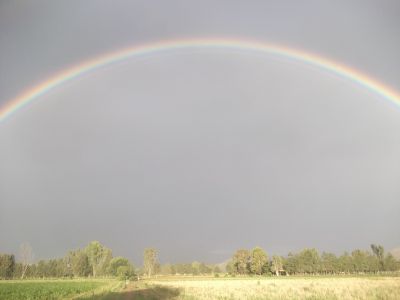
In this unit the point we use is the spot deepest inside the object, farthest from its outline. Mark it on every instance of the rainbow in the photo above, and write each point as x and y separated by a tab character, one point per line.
351	74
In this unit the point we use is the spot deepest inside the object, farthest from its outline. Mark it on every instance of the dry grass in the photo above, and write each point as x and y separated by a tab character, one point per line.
287	288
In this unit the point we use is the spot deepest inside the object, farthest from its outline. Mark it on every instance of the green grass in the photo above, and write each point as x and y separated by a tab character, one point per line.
49	289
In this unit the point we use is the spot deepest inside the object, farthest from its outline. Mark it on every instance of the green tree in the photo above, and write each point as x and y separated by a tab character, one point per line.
258	260
58	268
308	261
78	263
117	262
290	263
150	260
360	260
99	257
7	266
329	263
372	263
106	262
345	263
379	252
241	261
41	269
390	263
125	272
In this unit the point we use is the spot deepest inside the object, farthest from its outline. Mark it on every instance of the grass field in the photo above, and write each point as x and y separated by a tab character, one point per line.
54	289
287	288
191	288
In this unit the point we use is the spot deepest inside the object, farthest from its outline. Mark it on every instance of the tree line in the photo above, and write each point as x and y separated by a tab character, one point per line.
151	266
310	262
96	260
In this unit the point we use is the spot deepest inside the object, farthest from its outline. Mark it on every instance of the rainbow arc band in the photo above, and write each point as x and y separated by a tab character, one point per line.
344	71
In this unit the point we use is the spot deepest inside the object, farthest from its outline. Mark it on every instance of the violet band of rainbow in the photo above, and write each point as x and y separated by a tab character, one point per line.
58	79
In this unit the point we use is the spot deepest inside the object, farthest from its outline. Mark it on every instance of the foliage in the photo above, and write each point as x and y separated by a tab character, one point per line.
125	272
7	266
379	252
241	261
78	263
94	260
309	261
115	263
99	258
194	268
258	261
121	267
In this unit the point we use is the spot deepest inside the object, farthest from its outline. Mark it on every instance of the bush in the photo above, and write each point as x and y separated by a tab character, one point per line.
125	272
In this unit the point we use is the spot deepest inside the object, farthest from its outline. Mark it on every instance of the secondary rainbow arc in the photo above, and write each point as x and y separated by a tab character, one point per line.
344	71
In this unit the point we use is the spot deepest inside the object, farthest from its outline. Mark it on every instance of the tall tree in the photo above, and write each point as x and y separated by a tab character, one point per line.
258	260
360	260
240	261
290	263
277	264
379	252
150	261
329	263
78	263
99	257
309	261
345	263
390	263
7	266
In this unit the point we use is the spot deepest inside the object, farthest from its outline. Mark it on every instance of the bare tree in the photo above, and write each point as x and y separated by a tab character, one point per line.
277	264
150	260
26	255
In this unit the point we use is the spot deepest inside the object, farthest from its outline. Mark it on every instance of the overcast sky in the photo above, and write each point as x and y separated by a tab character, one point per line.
199	153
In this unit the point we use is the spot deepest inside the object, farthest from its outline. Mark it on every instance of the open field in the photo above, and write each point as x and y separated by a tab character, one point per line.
286	288
191	288
54	289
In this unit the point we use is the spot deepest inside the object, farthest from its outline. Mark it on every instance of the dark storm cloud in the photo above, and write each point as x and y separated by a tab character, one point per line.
199	153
